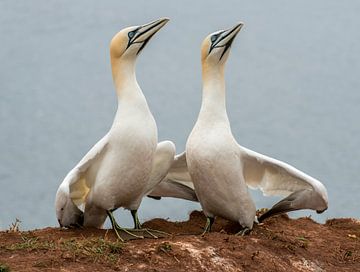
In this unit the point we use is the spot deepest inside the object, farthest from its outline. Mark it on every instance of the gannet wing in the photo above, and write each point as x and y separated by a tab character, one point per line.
78	187
171	188
179	171
274	177
163	159
177	182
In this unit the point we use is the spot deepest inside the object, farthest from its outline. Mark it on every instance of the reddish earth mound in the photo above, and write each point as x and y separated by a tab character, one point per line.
279	244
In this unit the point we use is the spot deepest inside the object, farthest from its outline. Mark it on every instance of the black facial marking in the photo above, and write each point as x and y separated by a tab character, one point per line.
144	43
215	41
133	37
227	46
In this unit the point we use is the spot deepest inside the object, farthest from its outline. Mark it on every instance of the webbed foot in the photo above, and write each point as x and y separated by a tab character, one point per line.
118	230
243	232
209	223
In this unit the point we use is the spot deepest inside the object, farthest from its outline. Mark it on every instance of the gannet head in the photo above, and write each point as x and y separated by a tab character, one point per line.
67	213
323	204
215	47
129	42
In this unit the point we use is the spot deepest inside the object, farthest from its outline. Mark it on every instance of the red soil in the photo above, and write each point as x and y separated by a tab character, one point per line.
279	244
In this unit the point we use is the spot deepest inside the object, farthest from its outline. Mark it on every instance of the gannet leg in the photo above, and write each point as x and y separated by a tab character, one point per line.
209	223
243	232
138	228
117	228
135	217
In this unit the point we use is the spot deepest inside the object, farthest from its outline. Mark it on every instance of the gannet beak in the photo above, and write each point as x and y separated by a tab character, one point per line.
225	38
144	33
80	221
321	211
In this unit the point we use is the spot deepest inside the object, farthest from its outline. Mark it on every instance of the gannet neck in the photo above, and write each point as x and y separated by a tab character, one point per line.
131	100
213	99
124	77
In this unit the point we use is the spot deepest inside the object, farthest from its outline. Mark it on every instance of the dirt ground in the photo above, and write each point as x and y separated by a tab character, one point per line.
279	244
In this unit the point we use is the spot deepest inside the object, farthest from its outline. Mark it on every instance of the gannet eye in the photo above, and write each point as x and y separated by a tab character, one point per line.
131	34
214	37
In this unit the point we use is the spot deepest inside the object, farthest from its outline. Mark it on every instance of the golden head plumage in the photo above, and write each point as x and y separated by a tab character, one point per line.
215	47
127	44
131	40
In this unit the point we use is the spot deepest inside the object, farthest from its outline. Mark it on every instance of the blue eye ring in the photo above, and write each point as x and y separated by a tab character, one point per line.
131	34
214	37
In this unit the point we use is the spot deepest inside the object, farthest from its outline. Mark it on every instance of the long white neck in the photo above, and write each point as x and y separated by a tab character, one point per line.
129	94
124	77
213	105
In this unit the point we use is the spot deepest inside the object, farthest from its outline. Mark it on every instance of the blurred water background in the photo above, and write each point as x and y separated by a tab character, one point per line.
293	91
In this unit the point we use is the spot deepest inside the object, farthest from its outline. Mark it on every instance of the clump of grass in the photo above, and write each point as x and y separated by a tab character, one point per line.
348	253
304	242
96	248
30	243
4	268
15	227
165	247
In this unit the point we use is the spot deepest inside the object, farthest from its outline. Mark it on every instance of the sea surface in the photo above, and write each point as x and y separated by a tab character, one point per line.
293	91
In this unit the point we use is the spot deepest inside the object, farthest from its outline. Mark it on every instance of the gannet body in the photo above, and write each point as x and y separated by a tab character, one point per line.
222	170
73	215
127	163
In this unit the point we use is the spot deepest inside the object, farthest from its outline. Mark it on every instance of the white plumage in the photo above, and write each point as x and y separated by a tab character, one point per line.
127	163
222	170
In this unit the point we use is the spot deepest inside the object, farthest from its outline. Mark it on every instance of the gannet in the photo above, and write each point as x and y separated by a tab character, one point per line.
127	163
222	170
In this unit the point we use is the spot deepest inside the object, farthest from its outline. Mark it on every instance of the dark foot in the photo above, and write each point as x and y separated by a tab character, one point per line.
146	232
243	232
118	230
136	220
209	223
150	233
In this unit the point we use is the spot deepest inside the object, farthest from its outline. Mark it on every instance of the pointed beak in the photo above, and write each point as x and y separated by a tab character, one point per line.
321	211
145	32
151	28
226	38
229	35
80	221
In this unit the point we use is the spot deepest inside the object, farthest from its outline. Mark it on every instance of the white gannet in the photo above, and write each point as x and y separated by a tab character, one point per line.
222	170
127	163
173	185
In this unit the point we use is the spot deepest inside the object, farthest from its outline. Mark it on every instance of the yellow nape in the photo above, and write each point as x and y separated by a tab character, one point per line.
205	47
118	43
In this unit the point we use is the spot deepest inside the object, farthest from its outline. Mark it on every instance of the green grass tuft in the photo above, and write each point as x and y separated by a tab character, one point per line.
4	268
30	243
165	247
99	249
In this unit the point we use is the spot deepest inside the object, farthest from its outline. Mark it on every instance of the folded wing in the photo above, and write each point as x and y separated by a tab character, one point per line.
78	187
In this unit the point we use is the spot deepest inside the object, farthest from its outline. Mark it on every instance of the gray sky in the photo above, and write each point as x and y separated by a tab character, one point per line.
292	90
